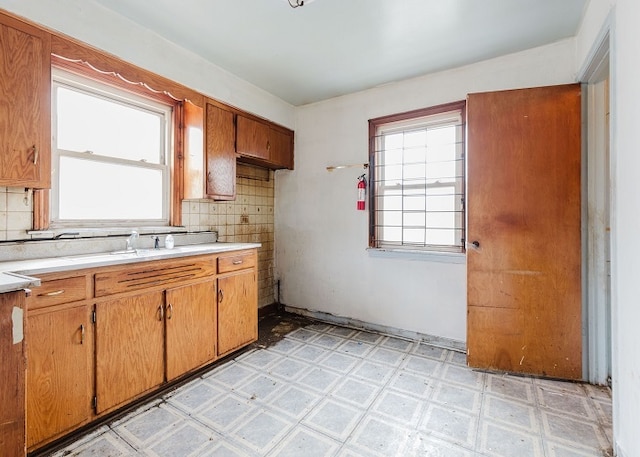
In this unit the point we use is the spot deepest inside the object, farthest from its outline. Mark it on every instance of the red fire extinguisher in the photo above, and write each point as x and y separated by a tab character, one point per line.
362	186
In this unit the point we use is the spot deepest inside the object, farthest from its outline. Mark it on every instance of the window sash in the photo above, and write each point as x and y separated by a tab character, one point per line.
161	169
412	212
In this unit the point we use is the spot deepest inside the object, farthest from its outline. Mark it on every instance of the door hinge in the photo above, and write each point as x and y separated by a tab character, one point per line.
94	403
93	316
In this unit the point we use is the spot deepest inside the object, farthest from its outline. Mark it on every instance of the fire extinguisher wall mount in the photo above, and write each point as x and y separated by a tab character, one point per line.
362	186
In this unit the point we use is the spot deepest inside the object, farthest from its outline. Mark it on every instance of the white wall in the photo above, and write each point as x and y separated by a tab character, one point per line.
93	24
321	240
621	17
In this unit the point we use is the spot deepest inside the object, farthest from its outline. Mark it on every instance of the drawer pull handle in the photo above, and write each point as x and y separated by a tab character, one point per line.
237	262
81	333
169	311
53	294
160	313
220	296
34	149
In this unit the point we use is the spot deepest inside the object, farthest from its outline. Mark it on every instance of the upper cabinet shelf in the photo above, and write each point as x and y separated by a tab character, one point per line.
263	143
25	110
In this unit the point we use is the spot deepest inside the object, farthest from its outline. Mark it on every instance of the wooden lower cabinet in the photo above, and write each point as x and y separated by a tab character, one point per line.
191	327
12	374
237	310
60	371
129	348
99	339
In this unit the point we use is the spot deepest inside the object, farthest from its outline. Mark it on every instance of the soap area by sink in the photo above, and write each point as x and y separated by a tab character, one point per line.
39	257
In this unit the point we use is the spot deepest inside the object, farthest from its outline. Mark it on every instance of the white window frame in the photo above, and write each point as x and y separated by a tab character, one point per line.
61	78
425	119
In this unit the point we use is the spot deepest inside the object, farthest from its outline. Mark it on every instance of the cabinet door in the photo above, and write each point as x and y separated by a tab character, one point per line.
281	151
252	138
220	154
12	374
129	348
191	327
25	111
237	311
59	382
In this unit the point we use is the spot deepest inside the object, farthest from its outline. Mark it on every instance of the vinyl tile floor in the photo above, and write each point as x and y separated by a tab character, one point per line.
325	390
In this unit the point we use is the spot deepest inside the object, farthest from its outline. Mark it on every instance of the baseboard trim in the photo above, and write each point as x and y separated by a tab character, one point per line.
447	343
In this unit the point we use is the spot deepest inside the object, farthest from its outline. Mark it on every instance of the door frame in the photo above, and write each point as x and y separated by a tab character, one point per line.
597	205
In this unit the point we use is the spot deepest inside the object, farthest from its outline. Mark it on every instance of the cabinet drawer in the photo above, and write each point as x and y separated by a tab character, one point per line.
237	261
153	274
58	291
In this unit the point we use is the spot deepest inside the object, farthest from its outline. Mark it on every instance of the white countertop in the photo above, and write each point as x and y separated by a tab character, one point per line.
10	282
15	275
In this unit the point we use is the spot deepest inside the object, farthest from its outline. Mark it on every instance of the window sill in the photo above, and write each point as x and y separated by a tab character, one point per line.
426	256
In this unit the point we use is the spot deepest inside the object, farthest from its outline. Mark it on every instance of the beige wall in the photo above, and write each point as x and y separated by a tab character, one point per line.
247	219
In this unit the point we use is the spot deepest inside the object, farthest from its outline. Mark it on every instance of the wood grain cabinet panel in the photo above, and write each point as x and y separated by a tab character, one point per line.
281	151
129	348
220	154
237	310
60	372
25	111
12	376
190	314
252	138
264	144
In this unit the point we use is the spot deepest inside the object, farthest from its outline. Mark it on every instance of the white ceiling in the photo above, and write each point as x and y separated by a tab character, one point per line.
328	48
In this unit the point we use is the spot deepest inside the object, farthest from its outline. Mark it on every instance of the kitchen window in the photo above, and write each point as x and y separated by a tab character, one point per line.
417	180
110	155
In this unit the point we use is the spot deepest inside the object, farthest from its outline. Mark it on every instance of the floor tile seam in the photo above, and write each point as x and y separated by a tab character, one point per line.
539	425
548	437
236	438
299	426
576	417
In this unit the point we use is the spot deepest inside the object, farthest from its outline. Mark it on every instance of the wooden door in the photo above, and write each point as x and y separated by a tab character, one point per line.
60	381
129	348
524	277
191	327
12	375
25	110
252	138
237	311
220	154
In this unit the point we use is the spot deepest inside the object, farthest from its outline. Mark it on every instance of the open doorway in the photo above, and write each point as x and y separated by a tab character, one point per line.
597	306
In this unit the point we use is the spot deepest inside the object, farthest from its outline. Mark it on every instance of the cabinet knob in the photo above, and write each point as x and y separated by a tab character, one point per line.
220	296
169	311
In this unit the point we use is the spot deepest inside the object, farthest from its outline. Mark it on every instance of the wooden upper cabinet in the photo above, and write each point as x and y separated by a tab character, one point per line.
220	154
25	105
252	138
263	144
281	148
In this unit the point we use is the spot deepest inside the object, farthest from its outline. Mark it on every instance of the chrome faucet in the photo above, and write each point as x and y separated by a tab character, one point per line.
131	240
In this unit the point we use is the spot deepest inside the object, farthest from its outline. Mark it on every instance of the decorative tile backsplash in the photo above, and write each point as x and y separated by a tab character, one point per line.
16	212
247	219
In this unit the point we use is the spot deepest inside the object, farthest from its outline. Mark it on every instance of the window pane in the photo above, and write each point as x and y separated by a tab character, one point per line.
91	123
442	237
418	182
103	191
